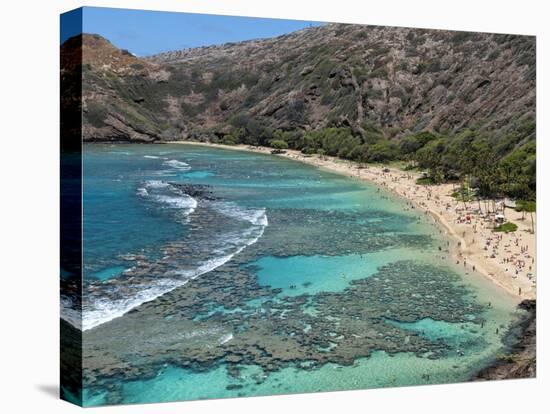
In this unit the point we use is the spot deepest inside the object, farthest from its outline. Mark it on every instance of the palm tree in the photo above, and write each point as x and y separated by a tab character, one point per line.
530	207
527	206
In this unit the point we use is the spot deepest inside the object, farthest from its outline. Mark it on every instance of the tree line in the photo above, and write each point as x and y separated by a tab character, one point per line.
494	168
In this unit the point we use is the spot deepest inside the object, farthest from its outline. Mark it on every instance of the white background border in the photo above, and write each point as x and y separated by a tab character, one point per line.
29	205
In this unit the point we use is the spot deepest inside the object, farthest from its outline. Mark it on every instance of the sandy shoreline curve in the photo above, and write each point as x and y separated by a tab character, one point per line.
507	259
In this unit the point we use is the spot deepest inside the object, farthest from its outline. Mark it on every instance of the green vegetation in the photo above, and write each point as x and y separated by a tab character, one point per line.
463	193
526	206
279	144
229	140
484	168
476	162
96	114
382	151
507	227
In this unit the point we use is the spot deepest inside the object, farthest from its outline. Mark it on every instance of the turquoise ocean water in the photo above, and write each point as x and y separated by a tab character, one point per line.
272	214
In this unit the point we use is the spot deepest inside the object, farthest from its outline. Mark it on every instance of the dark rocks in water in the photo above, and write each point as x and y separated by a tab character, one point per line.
529	306
201	191
233	370
313	233
521	360
273	331
226	317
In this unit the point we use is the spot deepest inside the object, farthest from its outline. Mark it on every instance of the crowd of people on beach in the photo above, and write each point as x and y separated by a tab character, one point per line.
469	222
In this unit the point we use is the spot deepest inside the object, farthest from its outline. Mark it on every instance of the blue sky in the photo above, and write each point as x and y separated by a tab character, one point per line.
145	32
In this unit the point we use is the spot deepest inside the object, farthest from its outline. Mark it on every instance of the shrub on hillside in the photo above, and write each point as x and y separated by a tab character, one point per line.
278	144
229	140
383	151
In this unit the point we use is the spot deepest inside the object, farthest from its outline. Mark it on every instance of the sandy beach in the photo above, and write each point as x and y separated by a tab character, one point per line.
507	259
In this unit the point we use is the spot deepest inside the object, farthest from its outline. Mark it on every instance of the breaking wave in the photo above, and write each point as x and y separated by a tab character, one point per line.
168	196
256	217
204	249
178	165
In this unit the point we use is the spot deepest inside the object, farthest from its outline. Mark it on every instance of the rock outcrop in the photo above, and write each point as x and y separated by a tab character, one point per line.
521	361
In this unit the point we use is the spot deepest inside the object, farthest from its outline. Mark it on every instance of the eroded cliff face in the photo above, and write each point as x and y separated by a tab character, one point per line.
394	80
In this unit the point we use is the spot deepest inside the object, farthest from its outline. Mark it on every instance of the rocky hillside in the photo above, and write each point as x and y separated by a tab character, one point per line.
377	81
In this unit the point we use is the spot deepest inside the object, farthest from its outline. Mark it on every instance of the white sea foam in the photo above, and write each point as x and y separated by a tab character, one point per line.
226	338
153	157
255	216
98	310
156	184
183	201
165	173
167	196
178	165
102	310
